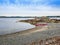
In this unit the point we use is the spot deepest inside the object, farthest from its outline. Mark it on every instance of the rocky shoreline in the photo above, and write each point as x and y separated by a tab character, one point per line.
40	20
22	38
49	41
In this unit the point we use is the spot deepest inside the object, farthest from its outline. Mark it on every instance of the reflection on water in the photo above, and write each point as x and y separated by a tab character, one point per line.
9	25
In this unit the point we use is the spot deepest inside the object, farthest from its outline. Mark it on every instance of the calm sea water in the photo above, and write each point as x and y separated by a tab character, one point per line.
10	25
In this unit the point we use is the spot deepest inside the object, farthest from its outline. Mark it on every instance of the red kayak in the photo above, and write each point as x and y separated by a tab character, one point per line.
40	24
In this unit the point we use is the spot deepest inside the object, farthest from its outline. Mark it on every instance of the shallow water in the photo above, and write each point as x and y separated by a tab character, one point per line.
10	25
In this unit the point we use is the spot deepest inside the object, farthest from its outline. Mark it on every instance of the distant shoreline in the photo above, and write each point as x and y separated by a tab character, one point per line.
28	16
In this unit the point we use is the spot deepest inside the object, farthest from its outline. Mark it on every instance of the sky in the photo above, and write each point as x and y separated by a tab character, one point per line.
29	7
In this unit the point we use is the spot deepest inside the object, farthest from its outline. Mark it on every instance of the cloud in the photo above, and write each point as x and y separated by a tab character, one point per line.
29	2
29	7
52	3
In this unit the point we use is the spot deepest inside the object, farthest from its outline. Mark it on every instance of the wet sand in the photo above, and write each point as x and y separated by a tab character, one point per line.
28	36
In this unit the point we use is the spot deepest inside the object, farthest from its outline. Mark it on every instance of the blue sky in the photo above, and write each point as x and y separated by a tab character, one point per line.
29	7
